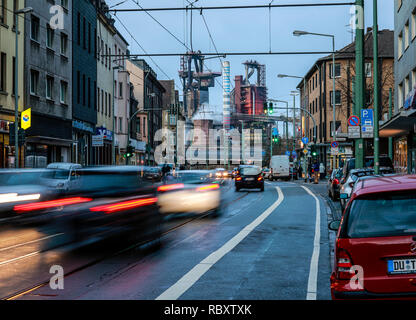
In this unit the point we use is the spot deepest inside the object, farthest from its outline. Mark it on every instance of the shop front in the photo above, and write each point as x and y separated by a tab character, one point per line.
7	155
82	133
102	146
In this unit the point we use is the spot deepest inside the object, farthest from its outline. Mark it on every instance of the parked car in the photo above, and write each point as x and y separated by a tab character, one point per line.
333	184
347	184
279	166
249	177
63	177
192	191
153	174
384	162
375	245
266	173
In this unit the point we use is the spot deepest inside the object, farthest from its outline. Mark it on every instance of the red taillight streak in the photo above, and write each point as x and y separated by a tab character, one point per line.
260	178
238	178
170	187
125	205
210	187
49	204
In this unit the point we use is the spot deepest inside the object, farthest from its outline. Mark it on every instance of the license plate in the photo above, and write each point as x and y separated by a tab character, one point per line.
250	179
401	266
343	195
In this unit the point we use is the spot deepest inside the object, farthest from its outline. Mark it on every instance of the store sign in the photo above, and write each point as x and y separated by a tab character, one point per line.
4	126
97	141
80	125
105	133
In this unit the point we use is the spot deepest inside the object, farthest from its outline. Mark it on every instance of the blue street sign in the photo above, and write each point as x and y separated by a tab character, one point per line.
354	121
367	118
288	153
305	140
294	154
334	144
275	132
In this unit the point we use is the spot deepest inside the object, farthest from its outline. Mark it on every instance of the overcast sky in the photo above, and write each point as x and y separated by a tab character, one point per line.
244	31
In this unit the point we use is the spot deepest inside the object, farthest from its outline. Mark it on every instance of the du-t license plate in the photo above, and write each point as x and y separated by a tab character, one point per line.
401	266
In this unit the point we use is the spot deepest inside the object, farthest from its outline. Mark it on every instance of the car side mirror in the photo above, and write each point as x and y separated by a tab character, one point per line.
334	225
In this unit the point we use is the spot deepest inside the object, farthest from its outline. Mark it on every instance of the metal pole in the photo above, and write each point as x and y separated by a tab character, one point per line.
376	91
334	95
360	80
16	96
294	125
242	141
113	144
390	115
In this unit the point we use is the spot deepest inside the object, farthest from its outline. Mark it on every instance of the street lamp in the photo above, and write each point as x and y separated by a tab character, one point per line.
299	33
16	84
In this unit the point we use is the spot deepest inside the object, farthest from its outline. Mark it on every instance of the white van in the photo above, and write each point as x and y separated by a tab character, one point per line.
279	166
63	177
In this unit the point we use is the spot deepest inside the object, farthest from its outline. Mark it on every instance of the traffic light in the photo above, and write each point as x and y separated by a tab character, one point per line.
265	108
129	151
271	111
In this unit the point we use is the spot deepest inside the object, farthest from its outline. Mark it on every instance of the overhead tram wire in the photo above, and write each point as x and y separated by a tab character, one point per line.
293	5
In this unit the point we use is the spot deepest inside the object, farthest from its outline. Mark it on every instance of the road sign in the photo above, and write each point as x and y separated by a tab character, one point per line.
367	117
334	144
334	151
354	132
367	132
305	151
26	119
275	132
305	140
353	121
288	153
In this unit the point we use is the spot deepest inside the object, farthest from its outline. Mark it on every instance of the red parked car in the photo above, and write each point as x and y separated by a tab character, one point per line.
375	251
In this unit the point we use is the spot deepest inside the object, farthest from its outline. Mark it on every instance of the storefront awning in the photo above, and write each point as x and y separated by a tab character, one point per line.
399	125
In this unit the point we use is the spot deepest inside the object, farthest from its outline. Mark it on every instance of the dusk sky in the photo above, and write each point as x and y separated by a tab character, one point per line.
243	31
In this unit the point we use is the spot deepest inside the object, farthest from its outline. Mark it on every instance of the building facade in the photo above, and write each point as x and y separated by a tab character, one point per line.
84	75
47	70
7	76
400	128
316	97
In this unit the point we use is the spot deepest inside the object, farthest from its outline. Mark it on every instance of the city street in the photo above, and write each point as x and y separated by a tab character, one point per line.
266	245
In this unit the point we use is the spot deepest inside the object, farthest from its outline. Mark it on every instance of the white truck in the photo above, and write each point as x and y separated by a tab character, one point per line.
280	167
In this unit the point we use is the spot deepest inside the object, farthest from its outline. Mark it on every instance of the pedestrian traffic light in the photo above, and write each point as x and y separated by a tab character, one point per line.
265	108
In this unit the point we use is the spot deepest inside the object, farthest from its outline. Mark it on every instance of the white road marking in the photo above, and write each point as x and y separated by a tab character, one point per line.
190	278
19	258
313	271
33	241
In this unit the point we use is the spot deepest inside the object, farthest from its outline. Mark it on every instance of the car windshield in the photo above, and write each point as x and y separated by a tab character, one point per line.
192	178
382	215
250	171
19	178
56	174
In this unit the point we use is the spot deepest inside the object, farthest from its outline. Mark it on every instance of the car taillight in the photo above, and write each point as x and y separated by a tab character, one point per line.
170	187
344	265
238	178
335	181
259	178
125	205
50	204
208	188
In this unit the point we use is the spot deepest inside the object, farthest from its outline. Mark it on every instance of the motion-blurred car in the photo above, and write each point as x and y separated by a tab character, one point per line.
63	177
249	177
221	173
110	201
153	174
22	186
192	191
375	248
333	184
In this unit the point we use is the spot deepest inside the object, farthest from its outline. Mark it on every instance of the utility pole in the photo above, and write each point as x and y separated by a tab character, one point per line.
360	80
376	90
390	115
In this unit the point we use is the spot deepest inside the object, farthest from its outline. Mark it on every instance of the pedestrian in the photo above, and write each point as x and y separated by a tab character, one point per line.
322	171
310	172
316	172
165	171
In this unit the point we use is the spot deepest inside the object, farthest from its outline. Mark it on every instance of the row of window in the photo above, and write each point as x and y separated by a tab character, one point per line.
314	105
50	83
407	35
4	74
406	87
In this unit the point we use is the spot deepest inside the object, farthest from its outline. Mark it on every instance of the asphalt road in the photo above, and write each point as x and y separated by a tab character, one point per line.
266	245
